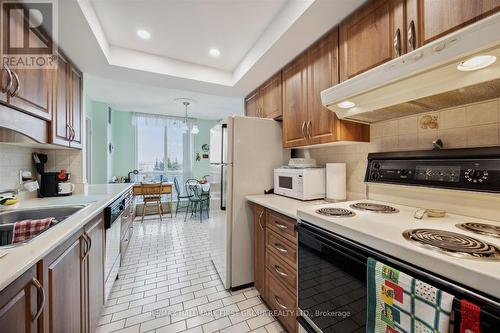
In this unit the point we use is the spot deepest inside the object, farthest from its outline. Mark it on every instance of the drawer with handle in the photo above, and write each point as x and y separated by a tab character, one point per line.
282	225
282	302
282	272
282	248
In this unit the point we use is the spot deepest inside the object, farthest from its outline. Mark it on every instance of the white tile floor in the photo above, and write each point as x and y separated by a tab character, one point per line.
167	283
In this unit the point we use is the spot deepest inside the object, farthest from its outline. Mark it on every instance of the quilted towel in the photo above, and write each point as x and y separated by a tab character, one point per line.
27	229
399	303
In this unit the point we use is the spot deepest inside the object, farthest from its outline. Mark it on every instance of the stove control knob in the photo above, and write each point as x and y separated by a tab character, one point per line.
376	165
403	173
476	176
375	176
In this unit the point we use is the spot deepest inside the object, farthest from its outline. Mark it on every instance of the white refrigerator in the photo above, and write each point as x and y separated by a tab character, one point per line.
244	151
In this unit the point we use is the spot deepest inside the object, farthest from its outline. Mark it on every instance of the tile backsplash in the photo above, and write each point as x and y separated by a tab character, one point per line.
472	125
14	158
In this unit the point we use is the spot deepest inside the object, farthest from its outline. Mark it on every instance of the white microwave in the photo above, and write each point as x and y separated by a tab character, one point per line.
302	184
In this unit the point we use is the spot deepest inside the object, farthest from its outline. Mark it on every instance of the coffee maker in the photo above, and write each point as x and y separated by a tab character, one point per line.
50	181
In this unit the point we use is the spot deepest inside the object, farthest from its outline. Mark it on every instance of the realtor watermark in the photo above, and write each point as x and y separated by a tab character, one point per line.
29	34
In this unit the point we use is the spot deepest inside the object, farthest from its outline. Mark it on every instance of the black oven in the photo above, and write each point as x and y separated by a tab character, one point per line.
332	284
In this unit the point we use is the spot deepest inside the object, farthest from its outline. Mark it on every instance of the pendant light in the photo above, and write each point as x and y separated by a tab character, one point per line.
185	124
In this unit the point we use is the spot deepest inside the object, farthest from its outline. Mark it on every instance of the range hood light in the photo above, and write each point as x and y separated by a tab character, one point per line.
475	63
346	105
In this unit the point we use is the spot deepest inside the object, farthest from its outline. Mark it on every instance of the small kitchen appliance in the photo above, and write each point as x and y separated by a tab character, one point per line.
300	183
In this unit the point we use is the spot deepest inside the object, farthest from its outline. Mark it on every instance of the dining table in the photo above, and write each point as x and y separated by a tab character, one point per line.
166	189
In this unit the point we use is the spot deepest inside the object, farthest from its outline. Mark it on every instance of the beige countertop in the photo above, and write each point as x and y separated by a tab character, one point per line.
283	205
15	261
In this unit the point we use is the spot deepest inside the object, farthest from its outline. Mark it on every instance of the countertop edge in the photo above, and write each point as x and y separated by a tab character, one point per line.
88	213
260	199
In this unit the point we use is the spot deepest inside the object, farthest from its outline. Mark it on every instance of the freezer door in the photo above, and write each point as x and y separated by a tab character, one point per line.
216	144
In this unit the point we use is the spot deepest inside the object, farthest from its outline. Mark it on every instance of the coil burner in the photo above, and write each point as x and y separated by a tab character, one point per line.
453	244
481	228
374	208
335	212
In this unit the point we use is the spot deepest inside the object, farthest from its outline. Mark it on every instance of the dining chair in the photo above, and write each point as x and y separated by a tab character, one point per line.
180	196
152	194
196	198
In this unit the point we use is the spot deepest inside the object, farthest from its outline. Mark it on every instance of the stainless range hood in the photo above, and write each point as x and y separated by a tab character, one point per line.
425	79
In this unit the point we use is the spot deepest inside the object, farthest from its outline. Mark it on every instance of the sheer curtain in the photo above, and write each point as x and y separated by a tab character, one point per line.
164	147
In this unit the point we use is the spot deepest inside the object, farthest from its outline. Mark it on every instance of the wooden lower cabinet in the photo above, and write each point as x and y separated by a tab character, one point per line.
62	272
275	272
19	304
259	243
94	272
73	279
282	302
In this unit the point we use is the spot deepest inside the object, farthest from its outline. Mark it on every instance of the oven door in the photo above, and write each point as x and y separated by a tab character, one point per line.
288	183
331	283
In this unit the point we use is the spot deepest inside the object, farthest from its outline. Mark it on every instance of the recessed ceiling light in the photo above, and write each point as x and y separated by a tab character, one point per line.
214	52
475	63
346	105
143	34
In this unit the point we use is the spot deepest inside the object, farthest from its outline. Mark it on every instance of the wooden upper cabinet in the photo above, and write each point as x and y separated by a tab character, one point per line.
436	18
67	113
367	38
18	304
29	87
322	74
295	115
270	93
76	108
252	104
60	114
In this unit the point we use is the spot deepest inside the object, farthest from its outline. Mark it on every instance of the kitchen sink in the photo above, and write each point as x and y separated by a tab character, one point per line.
8	218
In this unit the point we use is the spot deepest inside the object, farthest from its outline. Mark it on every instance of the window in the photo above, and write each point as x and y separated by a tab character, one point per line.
164	147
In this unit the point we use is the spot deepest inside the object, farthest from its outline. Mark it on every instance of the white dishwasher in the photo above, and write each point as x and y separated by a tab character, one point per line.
112	218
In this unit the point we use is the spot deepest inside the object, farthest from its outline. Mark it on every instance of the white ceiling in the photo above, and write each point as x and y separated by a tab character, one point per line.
255	37
125	96
204	25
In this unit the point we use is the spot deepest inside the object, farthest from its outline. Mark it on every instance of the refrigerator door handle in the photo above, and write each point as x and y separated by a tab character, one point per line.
222	189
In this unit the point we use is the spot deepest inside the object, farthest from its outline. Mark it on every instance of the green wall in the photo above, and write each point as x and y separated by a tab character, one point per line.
202	167
123	137
121	133
98	113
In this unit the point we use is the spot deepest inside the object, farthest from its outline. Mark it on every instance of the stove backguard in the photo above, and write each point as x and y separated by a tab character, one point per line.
471	169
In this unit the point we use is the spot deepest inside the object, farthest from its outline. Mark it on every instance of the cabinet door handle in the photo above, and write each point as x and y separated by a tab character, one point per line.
280	248
260	219
281	226
72	131
68	136
277	269
41	306
397	42
88	245
277	300
411	36
18	85
304	130
308	129
9	82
